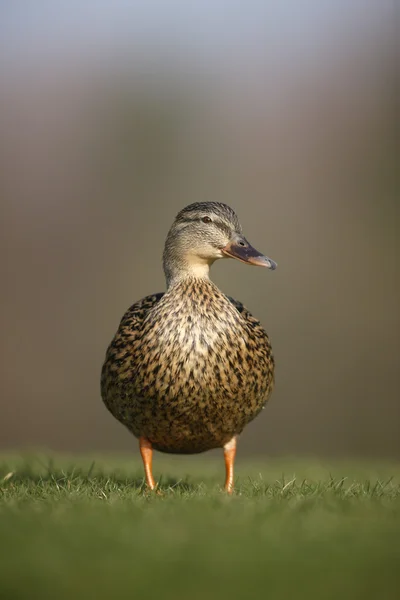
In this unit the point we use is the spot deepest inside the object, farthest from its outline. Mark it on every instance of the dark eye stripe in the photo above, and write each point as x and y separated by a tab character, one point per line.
188	220
222	226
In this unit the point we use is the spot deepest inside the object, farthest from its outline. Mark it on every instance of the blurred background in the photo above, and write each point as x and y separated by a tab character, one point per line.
115	115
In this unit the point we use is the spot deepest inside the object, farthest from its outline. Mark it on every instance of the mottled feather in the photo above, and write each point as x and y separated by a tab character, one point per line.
188	369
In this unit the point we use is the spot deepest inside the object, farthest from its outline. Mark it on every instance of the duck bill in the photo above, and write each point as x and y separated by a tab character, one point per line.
240	249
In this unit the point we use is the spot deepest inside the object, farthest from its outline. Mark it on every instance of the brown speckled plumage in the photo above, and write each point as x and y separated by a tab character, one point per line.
188	369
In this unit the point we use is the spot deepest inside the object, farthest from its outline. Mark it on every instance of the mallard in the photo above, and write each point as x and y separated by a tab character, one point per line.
189	368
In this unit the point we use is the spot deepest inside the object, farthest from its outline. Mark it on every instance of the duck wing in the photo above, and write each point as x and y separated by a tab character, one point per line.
118	356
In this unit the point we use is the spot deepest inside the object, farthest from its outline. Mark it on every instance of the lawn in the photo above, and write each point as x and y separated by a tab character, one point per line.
73	528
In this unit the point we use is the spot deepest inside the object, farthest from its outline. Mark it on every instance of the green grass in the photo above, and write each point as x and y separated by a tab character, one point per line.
74	528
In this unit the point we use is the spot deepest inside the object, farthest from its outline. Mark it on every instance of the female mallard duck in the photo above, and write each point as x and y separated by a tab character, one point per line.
189	368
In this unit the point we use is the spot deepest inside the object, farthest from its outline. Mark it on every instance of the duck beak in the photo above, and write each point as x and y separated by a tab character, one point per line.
240	249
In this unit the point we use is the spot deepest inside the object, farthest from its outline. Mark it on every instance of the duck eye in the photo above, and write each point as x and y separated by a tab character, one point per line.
206	220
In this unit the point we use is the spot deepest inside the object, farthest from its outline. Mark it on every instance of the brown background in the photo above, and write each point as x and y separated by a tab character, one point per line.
292	121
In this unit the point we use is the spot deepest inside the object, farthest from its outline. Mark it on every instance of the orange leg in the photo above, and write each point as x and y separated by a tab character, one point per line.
146	450
229	455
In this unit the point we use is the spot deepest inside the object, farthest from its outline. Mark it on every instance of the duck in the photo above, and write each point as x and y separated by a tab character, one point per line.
190	367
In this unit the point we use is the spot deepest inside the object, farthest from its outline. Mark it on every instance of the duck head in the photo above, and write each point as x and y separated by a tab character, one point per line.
202	233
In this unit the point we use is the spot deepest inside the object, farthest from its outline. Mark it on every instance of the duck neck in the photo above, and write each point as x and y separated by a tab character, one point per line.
179	267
